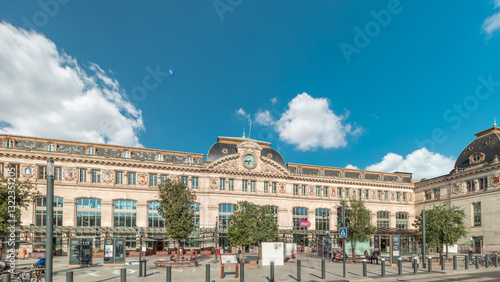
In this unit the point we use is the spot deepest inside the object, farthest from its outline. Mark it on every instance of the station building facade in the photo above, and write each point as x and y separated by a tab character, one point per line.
111	191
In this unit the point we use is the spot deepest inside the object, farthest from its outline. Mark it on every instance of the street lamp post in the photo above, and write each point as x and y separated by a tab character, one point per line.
423	235
49	227
216	237
141	273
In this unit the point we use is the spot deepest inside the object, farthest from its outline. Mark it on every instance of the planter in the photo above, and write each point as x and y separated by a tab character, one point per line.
162	253
98	255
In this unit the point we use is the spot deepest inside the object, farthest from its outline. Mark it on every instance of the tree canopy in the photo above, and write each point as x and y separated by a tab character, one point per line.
443	225
358	221
176	204
251	224
25	193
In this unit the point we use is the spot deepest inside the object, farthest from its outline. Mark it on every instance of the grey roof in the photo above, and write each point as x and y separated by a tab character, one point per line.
215	152
487	142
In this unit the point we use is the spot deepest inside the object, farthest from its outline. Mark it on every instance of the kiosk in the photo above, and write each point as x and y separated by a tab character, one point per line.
80	252
114	251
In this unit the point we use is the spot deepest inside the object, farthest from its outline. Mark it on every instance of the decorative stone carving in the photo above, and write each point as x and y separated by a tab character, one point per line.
29	171
107	176
457	188
69	173
282	188
311	190
214	183
142	179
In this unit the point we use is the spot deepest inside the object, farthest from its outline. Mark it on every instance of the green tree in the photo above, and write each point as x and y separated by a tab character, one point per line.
443	225
22	193
251	224
358	221
176	207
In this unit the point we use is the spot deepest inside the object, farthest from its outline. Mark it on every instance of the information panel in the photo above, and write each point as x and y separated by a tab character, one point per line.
396	248
376	244
109	254
86	258
74	253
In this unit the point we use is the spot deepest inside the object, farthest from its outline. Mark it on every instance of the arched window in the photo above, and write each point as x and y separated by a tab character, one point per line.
154	218
159	157
51	147
383	219
225	211
88	212
126	154
402	220
90	151
196	218
298	215
9	143
41	211
322	219
125	213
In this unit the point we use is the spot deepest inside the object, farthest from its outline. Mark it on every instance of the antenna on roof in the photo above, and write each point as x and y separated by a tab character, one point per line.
494	121
243	133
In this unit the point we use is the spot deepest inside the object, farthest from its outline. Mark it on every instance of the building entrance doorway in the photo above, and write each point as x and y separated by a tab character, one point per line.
477	244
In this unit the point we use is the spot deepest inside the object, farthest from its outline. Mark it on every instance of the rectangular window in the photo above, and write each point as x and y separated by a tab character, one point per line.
367	194
266	187
404	196
96	176
252	186
386	196
222	185
347	193
295	189
318	191
42	172
398	196
163	179
379	195
231	184
244	186
194	183
83	175
58	173
477	213
1	169
470	185
483	183
119	177
303	190
131	178
185	180
153	180
359	194
273	187
325	192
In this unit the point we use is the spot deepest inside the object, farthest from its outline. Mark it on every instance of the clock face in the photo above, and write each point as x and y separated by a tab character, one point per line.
249	161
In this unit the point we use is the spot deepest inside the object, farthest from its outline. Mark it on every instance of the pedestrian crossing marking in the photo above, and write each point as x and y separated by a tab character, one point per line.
343	232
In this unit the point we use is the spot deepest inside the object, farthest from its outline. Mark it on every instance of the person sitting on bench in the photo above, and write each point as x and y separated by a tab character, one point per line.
373	257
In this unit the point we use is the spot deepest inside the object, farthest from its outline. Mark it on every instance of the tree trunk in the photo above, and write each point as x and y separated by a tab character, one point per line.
353	245
178	250
446	250
441	250
242	251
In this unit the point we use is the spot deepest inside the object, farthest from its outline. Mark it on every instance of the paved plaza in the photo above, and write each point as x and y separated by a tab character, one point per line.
311	271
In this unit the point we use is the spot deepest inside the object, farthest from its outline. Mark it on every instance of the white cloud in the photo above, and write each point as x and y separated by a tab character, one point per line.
241	112
264	118
492	23
309	124
46	93
422	163
350	166
274	100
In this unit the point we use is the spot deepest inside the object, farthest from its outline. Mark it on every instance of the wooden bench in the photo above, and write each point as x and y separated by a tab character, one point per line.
182	261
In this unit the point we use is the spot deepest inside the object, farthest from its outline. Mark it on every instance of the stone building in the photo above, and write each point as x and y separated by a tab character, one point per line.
111	191
473	185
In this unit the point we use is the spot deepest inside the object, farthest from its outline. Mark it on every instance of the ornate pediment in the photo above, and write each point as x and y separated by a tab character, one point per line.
235	163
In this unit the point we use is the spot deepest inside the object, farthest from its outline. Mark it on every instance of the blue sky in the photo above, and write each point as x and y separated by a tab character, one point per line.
365	83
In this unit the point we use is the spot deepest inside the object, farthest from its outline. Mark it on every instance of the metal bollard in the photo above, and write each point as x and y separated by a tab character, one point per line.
477	262
242	271
400	266
415	261
169	273
69	276
496	260
486	261
466	262
455	262
382	261
207	272
299	274
6	277
323	270
364	267
123	275
442	263
429	263
271	275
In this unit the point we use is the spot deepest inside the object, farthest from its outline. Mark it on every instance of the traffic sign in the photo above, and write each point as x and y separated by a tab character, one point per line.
343	232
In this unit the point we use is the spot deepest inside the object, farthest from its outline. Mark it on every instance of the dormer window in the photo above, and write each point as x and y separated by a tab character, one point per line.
51	147
126	154
9	143
90	151
159	157
476	158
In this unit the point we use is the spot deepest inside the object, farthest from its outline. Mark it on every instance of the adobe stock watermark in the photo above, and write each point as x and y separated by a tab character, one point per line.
362	37
49	9
458	112
223	6
150	81
11	212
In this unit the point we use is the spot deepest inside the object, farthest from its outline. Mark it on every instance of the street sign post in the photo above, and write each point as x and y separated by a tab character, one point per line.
343	232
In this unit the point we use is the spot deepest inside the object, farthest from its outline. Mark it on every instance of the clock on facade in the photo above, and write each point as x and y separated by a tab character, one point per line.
249	161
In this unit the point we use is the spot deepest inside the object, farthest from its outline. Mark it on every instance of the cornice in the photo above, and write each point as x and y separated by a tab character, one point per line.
457	175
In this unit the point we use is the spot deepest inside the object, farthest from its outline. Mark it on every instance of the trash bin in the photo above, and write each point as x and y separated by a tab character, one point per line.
142	268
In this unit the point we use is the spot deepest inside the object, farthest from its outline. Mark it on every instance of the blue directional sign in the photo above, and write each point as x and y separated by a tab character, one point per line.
343	232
